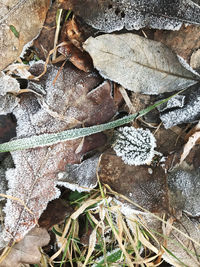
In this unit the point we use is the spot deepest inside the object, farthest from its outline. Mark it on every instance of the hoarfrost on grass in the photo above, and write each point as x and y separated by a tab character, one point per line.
134	146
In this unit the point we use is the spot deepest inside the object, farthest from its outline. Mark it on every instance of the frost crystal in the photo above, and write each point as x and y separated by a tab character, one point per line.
134	146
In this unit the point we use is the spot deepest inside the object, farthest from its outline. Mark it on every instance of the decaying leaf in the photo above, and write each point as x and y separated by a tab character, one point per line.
144	185
27	250
7	101
26	18
180	248
112	15
80	177
138	64
71	96
44	43
183	42
190	112
184	188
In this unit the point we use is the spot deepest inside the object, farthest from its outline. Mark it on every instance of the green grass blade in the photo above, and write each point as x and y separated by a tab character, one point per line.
54	138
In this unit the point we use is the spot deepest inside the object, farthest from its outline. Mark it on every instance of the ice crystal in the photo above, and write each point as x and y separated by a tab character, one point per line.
134	146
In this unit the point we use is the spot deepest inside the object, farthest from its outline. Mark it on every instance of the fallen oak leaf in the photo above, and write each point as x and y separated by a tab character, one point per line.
146	66
34	178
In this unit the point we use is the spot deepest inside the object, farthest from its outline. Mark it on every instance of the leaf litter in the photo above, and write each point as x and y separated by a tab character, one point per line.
39	167
65	97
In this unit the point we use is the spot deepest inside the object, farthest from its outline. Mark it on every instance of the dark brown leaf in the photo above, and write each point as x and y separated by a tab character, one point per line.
144	185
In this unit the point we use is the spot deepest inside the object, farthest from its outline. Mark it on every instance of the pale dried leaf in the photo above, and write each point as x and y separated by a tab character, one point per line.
27	18
112	15
189	145
138	64
26	251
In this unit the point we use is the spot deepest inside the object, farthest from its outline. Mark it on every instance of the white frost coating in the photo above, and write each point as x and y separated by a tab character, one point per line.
80	177
109	253
8	101
8	84
189	113
177	101
135	14
185	191
76	187
135	146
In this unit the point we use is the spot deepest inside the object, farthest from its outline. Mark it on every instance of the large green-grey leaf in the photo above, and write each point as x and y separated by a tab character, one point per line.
138	64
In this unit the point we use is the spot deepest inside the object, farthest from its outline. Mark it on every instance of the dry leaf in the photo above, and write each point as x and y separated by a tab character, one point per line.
181	250
138	64
26	251
74	96
20	22
45	41
144	185
112	15
80	177
182	42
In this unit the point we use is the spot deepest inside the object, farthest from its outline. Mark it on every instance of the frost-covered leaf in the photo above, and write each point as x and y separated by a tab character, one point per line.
20	22
138	64
190	112
4	165
80	177
76	97
8	87
175	102
144	185
184	188
27	250
134	146
112	15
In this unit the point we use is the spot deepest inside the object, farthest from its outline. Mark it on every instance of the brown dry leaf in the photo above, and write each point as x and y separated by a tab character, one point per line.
26	251
144	185
20	22
75	97
183	42
55	213
78	58
45	41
